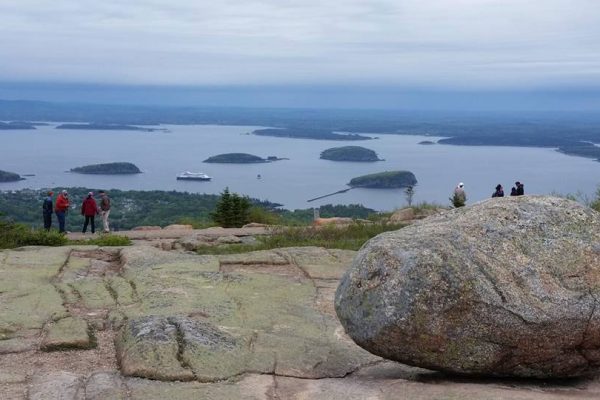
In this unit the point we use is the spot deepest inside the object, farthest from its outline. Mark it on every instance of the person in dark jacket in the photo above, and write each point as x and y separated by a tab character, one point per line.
89	209
61	208
520	188
47	211
499	191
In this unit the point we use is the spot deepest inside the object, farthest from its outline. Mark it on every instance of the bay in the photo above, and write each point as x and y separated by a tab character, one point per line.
48	153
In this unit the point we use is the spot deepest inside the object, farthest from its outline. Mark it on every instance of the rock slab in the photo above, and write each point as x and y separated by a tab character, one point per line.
507	287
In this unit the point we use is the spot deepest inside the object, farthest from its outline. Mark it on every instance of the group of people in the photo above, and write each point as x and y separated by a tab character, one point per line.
89	209
517	190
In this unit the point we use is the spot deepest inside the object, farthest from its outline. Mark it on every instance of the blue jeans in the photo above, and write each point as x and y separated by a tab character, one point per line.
60	215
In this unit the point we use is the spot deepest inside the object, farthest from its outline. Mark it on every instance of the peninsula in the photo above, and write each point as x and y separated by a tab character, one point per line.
6	176
385	180
115	168
308	133
350	153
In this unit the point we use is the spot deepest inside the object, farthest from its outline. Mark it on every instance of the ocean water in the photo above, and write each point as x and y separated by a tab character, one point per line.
49	153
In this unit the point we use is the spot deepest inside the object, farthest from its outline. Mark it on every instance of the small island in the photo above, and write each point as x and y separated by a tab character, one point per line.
385	180
305	133
109	127
427	142
6	176
116	168
350	153
240	158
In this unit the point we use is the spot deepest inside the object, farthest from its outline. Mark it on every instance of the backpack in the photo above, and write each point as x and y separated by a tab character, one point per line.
105	204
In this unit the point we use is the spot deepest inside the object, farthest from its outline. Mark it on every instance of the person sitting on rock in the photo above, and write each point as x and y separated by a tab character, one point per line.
499	191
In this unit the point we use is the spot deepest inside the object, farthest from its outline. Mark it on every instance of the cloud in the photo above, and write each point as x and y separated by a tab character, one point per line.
445	43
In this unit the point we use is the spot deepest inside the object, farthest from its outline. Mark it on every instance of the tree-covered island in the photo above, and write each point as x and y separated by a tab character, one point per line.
308	133
16	125
239	158
109	127
426	142
350	153
6	176
115	168
385	180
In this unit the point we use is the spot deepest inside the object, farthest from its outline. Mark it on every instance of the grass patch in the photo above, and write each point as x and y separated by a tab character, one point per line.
104	241
350	237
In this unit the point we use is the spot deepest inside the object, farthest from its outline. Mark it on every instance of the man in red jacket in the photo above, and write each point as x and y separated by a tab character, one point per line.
89	209
61	208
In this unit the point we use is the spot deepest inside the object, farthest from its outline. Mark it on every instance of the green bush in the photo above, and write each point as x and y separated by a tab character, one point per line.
16	235
262	216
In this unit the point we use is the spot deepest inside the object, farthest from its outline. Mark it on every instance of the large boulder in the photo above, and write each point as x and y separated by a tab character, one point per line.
506	287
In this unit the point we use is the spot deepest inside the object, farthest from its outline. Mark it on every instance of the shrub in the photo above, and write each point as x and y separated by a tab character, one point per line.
262	216
16	235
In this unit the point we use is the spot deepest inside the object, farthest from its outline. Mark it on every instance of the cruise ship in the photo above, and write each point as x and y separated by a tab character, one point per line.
193	176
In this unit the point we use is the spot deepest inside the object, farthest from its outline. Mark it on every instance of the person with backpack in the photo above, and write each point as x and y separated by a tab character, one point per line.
47	211
61	208
104	210
89	209
499	191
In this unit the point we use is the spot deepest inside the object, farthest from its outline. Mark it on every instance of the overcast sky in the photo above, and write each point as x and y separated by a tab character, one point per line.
464	44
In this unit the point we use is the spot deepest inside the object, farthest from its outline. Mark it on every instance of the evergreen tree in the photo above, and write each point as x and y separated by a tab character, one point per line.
232	210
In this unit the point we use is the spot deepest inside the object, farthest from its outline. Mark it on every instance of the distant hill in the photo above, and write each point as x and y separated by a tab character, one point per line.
6	176
385	180
426	142
116	168
350	153
307	133
235	158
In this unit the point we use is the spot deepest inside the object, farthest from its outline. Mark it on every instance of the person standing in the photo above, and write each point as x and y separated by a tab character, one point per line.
61	208
47	211
89	209
104	210
499	191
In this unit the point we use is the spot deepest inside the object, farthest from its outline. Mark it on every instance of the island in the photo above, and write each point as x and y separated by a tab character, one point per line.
426	142
350	153
239	158
6	176
109	127
581	149
115	168
16	125
308	133
385	180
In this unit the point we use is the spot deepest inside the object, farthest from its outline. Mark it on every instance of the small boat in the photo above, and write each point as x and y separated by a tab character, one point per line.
193	176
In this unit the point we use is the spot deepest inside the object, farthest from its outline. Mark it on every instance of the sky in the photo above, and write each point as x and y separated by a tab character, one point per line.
406	46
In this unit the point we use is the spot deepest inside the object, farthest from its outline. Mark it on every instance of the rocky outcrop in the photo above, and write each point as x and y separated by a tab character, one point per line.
507	287
267	315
